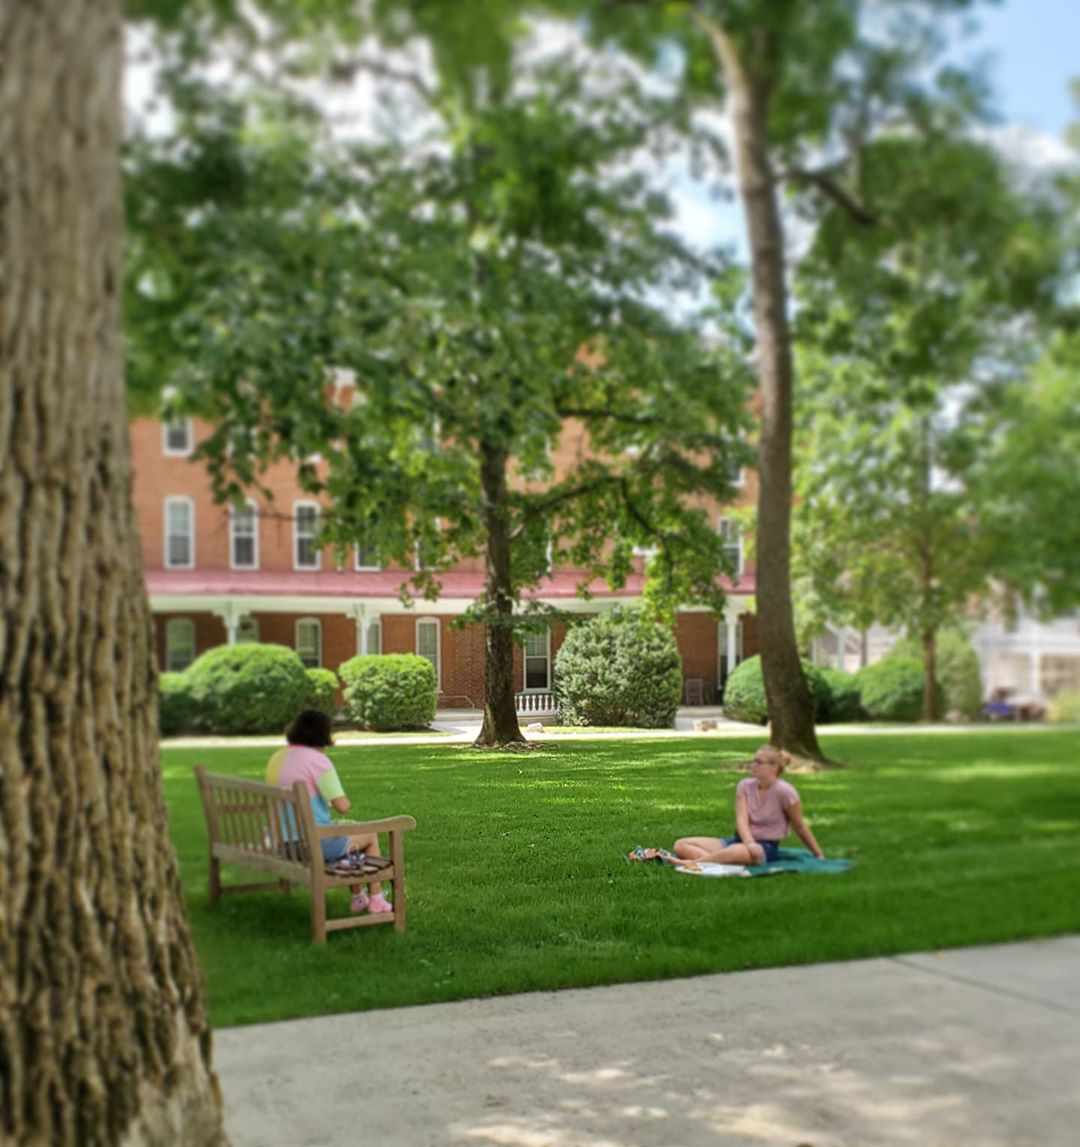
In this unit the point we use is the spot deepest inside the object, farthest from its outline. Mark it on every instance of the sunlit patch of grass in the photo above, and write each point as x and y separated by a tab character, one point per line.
517	879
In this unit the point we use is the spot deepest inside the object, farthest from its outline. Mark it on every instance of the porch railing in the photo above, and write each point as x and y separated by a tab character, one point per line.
535	704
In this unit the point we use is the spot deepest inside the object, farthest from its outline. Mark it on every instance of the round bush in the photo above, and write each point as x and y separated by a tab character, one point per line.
389	691
323	690
1064	707
174	704
619	668
744	693
892	690
844	705
247	688
956	668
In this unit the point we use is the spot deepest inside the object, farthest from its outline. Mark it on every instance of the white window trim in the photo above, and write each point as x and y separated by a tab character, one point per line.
735	526
171	452
252	621
356	562
438	646
740	478
171	625
296	638
525	671
176	499
297	506
248	505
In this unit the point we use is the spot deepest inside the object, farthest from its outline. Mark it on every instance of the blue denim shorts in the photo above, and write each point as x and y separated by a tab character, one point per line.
771	847
334	848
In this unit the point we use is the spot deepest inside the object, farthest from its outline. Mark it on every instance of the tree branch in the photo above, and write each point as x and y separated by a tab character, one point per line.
825	183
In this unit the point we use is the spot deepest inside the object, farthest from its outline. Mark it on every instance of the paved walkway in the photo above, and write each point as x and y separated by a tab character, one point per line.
976	1047
461	726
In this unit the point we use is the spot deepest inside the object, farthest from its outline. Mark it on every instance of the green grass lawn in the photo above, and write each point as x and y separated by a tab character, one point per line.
516	877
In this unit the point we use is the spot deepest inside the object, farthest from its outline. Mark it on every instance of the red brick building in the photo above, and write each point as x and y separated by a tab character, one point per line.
215	575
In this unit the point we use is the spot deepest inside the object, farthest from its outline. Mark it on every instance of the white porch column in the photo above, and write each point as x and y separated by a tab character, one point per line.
1035	672
231	616
841	646
359	616
731	620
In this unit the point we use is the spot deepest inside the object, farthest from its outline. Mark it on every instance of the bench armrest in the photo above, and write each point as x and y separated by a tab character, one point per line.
344	827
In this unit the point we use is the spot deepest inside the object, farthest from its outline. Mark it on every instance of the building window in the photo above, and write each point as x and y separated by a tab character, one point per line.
309	641
724	663
305	527
179	644
427	645
247	630
538	661
179	534
244	537
427	548
367	557
179	437
369	638
732	536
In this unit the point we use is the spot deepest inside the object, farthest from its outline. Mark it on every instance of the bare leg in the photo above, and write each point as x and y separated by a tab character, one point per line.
370	845
714	851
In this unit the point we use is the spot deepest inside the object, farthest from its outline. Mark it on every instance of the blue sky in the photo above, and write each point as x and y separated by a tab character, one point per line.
1035	49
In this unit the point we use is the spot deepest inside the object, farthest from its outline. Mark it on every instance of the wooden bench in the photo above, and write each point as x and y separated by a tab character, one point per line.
246	824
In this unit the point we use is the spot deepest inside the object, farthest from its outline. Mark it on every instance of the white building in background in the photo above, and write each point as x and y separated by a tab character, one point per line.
1028	658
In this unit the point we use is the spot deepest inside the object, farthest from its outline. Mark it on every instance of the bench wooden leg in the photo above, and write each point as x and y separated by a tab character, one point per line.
397	857
286	887
318	911
214	882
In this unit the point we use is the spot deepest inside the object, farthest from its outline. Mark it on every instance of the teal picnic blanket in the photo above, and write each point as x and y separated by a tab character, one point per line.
788	860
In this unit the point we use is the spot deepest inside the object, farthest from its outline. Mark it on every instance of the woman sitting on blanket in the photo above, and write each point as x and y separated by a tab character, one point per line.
766	810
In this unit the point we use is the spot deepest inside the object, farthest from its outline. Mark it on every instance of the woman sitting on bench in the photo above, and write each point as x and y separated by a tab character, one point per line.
766	810
305	761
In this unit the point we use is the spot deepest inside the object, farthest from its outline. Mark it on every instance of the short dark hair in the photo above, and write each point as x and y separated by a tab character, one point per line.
310	727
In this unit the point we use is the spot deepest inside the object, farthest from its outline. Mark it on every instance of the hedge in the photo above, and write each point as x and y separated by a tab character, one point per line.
389	691
1064	707
174	704
619	668
844	703
744	693
892	689
247	688
323	690
956	668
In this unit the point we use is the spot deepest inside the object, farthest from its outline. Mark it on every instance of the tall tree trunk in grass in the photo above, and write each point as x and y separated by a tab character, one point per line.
750	84
104	1036
500	727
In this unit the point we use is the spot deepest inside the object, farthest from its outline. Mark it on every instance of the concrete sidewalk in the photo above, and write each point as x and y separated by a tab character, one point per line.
975	1047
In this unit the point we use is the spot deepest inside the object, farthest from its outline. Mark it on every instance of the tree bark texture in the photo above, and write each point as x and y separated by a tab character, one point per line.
500	725
104	1036
929	653
791	705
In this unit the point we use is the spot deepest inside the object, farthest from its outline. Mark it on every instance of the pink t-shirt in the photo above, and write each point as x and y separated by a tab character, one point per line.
768	810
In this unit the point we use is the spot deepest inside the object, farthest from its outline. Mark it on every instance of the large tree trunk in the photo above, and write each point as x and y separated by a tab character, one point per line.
791	706
929	655
500	726
103	1029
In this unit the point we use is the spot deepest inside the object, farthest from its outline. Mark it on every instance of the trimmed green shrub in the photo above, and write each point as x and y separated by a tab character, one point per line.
386	691
844	704
744	693
892	690
174	704
619	668
247	688
323	690
957	671
1064	708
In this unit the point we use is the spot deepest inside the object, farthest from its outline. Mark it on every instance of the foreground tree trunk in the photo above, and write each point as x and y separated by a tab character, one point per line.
103	1029
791	705
500	727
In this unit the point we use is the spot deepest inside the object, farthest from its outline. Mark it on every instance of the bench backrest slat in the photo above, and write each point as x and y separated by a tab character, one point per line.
255	817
